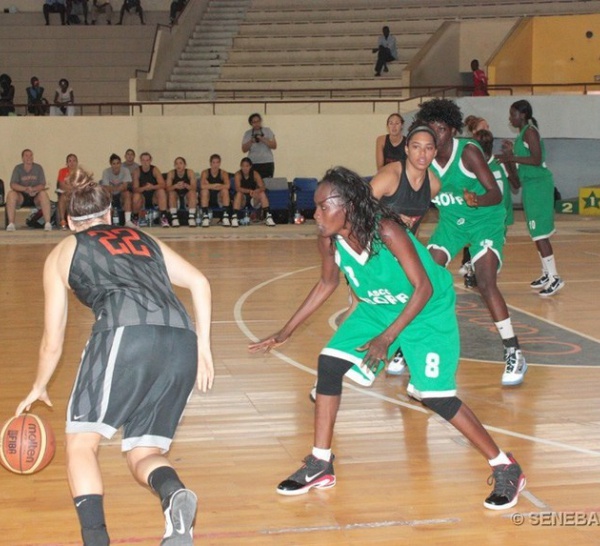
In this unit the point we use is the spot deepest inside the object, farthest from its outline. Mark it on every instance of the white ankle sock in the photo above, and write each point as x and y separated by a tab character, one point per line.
323	454
505	328
549	265
501	458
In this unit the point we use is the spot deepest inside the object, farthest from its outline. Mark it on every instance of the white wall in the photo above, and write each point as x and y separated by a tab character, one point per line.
308	144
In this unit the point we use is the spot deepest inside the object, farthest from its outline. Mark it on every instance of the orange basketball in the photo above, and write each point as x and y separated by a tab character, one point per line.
28	444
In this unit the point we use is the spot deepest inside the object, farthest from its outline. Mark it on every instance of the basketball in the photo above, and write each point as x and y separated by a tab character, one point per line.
28	444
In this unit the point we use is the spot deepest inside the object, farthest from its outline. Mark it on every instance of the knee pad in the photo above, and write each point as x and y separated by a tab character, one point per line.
331	373
445	407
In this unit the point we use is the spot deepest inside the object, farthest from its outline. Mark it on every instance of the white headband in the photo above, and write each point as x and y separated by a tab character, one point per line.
90	216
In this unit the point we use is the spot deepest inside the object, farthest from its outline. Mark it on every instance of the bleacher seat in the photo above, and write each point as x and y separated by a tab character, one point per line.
280	199
304	196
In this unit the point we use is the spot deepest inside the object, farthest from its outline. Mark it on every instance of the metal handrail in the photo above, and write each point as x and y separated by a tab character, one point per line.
375	96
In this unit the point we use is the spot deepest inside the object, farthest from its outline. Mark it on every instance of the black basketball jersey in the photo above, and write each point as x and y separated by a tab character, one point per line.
407	201
120	273
147	177
248	183
185	178
393	153
215	179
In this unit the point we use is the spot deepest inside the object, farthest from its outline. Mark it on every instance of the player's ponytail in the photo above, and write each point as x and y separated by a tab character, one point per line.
87	199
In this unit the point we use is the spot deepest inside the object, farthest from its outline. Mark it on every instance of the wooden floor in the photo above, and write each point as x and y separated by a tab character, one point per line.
404	477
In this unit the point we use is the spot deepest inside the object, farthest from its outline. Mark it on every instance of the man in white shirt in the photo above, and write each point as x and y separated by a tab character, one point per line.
386	51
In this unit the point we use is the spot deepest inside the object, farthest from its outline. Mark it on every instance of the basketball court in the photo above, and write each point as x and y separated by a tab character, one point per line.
403	475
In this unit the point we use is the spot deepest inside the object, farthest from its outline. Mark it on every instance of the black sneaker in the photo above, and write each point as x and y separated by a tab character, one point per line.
509	482
540	282
555	284
470	280
179	519
314	473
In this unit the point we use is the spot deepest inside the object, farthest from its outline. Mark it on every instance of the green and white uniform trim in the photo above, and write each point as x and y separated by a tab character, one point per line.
430	343
537	189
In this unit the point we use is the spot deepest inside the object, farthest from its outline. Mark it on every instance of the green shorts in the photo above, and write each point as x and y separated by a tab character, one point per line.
538	205
430	344
482	235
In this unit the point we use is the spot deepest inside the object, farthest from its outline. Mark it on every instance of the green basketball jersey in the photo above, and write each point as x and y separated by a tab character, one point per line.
379	279
521	148
455	178
501	177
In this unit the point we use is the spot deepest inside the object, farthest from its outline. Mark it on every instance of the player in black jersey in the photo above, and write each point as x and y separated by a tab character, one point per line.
149	189
391	147
123	381
182	187
215	189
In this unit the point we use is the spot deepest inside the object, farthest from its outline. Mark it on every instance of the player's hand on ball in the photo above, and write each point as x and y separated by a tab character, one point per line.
33	396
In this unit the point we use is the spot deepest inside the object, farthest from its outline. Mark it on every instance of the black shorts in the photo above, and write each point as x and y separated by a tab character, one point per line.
148	199
213	199
28	200
136	377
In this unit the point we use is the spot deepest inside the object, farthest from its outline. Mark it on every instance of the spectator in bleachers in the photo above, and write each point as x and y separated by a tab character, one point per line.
64	99
128	6
54	6
102	7
62	187
386	50
149	189
259	143
36	103
175	10
27	189
480	80
214	191
130	162
250	191
74	7
7	95
117	179
182	187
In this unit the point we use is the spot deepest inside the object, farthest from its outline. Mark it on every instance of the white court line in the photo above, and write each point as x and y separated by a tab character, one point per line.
237	313
547	321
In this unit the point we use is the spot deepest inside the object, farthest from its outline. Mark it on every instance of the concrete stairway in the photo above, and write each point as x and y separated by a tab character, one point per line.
207	50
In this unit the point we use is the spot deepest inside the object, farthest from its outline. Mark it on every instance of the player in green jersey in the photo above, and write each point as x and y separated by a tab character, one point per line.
404	298
527	157
471	213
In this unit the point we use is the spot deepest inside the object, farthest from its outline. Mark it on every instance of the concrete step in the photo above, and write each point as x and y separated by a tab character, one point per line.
201	42
322	28
206	55
191	73
295	71
311	56
351	41
197	86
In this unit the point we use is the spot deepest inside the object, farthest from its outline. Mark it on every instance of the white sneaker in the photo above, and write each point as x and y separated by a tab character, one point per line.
129	223
175	221
205	221
464	268
313	393
269	220
47	226
192	221
397	365
555	284
225	221
11	227
235	222
515	368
